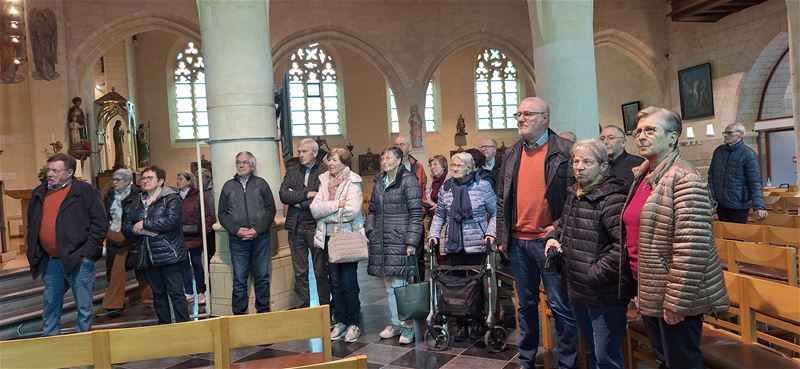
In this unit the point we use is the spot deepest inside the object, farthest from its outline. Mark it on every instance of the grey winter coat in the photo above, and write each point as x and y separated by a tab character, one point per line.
254	208
483	222
394	221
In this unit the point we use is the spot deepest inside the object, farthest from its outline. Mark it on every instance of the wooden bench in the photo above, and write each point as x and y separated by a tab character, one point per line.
52	352
780	220
776	263
355	362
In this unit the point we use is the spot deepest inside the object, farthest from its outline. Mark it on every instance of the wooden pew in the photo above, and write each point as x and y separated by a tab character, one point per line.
791	205
781	220
730	320
740	232
52	352
776	305
783	236
776	263
355	362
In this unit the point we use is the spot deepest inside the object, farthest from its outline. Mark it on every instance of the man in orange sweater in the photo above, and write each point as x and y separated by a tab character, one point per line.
532	189
67	224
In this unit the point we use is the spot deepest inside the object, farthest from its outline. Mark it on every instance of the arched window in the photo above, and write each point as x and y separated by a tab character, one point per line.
496	90
776	101
190	94
430	110
313	92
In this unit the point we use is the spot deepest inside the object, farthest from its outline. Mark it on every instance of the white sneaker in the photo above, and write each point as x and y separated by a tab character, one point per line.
189	297
338	331
353	332
407	336
390	331
201	298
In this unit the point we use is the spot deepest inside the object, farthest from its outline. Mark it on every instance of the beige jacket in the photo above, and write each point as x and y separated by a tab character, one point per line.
678	262
327	212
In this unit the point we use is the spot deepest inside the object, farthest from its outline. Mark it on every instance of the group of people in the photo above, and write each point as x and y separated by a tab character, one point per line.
628	229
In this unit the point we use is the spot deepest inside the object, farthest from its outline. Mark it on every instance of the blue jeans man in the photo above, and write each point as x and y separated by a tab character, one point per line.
527	262
602	329
250	256
56	283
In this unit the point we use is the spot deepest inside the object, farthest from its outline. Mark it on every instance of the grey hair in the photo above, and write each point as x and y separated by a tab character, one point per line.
189	177
594	147
250	158
466	158
621	132
309	142
735	127
670	119
125	173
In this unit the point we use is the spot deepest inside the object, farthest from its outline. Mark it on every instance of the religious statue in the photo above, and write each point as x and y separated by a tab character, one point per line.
44	42
461	134
76	122
143	145
119	135
415	121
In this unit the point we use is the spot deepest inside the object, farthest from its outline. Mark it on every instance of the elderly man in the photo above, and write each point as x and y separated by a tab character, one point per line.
735	179
491	168
66	227
569	135
411	164
298	189
532	190
621	162
246	211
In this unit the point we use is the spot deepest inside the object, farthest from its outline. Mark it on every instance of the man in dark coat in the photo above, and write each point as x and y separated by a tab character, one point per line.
298	189
621	162
491	167
735	178
67	224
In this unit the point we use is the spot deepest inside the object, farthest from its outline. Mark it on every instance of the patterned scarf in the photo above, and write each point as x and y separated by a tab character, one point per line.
116	208
334	184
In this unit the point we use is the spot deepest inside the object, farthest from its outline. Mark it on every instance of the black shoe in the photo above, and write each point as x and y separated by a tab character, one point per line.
462	333
111	313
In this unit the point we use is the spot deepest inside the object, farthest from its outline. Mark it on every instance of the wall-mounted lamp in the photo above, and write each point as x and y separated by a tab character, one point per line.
710	129
100	86
15	24
16	38
690	133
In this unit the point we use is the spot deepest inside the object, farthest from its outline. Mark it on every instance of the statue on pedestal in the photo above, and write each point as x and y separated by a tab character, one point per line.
76	122
461	134
415	121
119	136
143	145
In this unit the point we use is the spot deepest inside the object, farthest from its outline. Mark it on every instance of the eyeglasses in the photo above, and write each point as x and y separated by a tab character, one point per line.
527	114
117	180
730	133
586	162
242	162
609	138
487	146
648	131
148	178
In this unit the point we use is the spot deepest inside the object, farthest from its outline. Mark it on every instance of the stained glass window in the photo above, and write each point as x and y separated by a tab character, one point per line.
190	94
313	92
496	90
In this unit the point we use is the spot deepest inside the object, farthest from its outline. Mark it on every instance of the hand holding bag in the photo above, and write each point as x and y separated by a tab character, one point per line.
347	247
413	300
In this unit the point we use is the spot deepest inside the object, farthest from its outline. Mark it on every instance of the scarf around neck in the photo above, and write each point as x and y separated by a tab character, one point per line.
116	208
460	211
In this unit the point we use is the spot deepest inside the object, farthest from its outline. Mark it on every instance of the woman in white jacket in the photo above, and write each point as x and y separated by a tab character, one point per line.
339	198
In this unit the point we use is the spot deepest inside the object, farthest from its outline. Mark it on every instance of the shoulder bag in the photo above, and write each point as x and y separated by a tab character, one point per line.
413	300
346	247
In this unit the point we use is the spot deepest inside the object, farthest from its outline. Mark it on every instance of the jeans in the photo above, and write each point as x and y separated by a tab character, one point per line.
676	346
300	242
527	262
250	256
732	215
193	271
56	283
602	328
167	284
344	286
391	283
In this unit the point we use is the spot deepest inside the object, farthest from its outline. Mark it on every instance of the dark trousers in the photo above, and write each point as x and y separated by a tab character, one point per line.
167	284
527	262
301	241
345	290
250	256
602	328
462	258
732	215
193	271
676	346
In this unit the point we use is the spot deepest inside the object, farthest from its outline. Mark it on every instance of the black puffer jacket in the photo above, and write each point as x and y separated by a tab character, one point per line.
590	239
394	220
734	177
163	216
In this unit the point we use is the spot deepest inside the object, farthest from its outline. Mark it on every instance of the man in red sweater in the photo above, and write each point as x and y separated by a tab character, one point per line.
67	224
531	192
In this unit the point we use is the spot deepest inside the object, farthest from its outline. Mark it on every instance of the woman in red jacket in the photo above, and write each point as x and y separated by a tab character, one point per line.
193	273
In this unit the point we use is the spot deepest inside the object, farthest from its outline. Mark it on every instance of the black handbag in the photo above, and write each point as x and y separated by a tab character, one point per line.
413	300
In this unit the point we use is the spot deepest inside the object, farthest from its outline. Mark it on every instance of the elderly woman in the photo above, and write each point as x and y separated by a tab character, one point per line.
468	205
588	237
194	280
438	164
394	229
155	224
338	203
669	244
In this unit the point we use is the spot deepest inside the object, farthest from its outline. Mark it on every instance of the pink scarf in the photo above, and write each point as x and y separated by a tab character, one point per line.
334	184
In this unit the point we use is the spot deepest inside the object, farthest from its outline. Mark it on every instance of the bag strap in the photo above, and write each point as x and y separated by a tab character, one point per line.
411	273
339	222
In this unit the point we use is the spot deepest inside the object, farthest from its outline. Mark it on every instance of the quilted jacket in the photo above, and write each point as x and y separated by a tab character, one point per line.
326	210
163	216
679	266
483	222
734	177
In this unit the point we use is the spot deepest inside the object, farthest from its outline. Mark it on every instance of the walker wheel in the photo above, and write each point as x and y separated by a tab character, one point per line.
495	339
436	338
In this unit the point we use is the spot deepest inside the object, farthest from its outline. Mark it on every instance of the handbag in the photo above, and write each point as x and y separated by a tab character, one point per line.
346	247
413	300
190	229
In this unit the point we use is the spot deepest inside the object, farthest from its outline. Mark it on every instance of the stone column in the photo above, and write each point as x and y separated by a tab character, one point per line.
239	86
793	13
563	55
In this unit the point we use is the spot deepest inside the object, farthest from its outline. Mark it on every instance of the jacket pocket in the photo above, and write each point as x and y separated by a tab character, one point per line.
665	264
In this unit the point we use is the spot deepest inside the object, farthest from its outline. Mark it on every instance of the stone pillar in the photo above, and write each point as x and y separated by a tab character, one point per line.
793	13
563	55
241	109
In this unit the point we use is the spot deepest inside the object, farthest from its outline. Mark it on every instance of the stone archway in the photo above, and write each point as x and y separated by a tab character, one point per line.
636	50
752	86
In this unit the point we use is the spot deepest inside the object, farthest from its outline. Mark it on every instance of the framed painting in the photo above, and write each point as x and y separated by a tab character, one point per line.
696	92
369	164
629	111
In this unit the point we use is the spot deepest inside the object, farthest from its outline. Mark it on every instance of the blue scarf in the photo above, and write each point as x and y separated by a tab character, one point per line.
460	210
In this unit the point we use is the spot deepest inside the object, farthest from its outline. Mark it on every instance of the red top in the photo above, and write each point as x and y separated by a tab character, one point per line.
533	211
47	229
631	220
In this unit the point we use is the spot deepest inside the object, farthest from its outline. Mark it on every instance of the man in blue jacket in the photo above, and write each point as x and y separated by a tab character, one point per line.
734	178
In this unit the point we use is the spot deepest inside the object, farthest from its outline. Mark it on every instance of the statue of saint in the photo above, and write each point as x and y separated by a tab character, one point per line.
143	145
44	41
415	121
119	135
76	122
460	126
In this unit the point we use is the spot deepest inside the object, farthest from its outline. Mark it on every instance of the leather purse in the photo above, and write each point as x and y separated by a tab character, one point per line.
347	247
414	299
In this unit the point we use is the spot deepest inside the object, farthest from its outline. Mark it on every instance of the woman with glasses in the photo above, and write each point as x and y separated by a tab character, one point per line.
588	238
154	222
468	206
669	245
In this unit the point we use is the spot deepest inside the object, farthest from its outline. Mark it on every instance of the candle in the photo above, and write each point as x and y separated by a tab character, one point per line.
52	138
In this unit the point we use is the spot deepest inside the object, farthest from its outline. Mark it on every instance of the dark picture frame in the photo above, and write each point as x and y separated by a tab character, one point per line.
696	92
629	111
369	164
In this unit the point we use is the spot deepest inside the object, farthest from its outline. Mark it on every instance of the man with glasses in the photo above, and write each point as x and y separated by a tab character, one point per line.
490	168
246	211
67	224
734	178
532	190
621	162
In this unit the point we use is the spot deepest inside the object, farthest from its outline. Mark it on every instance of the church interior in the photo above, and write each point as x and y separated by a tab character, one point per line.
187	84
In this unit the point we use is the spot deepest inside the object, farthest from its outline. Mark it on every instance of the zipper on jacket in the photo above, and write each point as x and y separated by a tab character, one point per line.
664	264
244	198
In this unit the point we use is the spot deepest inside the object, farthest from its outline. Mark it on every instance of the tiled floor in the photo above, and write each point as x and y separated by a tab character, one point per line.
381	353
